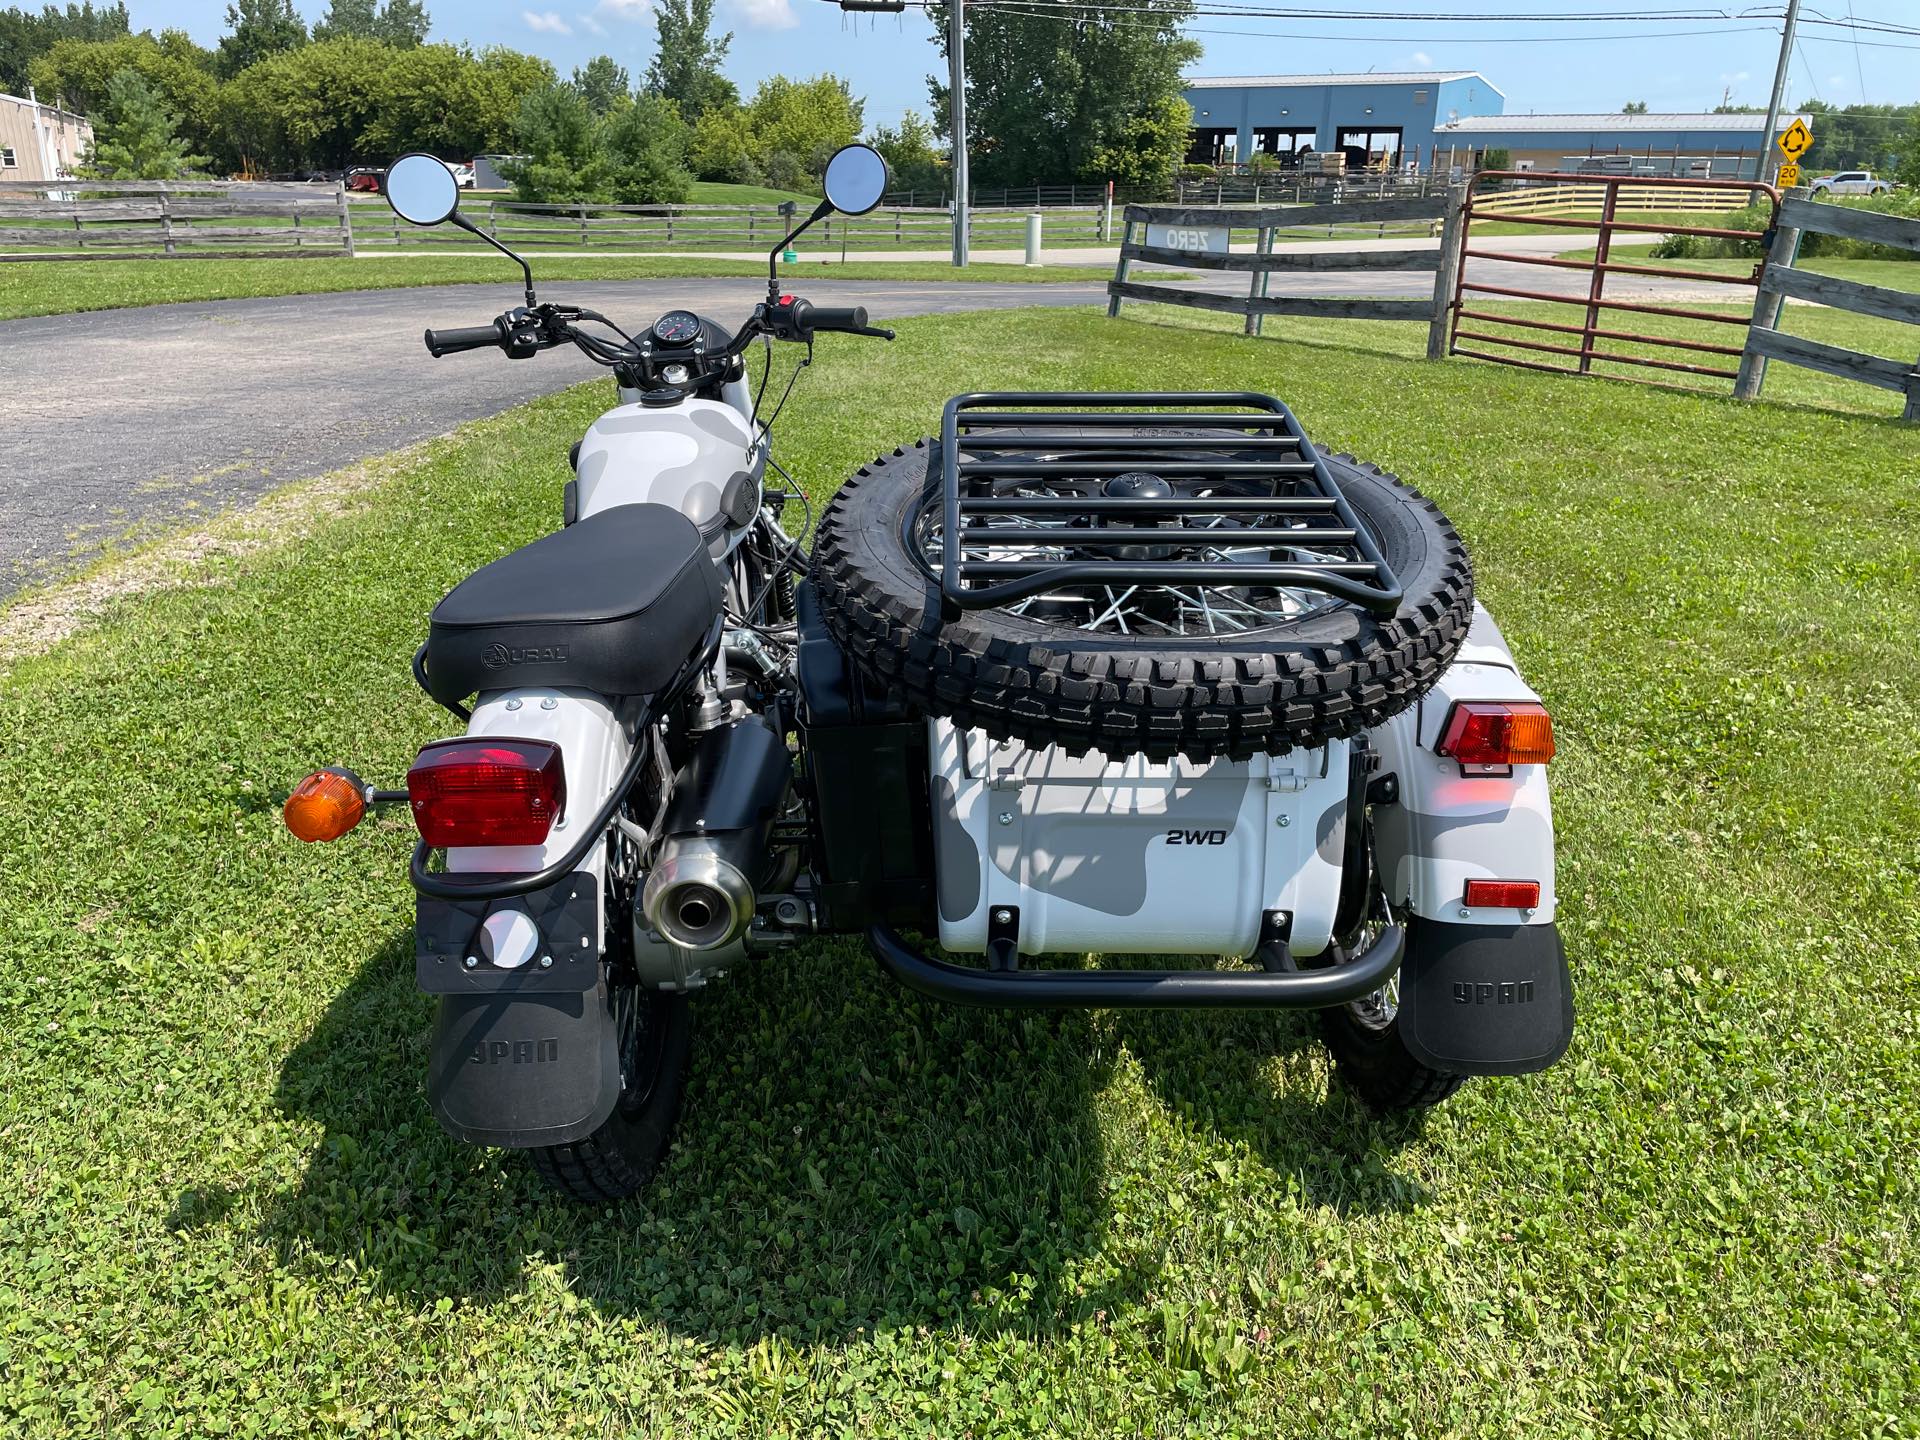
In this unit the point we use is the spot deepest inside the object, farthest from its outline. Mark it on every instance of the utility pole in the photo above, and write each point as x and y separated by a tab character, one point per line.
1779	87
957	88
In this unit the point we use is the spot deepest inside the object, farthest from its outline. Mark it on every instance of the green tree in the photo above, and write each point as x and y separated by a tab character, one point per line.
604	84
1147	151
77	73
1634	107
642	152
1047	101
257	29
686	62
560	160
136	137
720	147
1908	172
26	36
805	119
348	20
1855	137
444	100
401	23
308	107
910	153
404	23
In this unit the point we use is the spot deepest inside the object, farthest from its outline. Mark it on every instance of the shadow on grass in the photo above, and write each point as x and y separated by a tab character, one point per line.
849	1159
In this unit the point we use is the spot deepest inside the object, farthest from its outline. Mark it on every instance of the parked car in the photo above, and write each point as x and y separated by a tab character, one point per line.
1851	182
464	174
368	178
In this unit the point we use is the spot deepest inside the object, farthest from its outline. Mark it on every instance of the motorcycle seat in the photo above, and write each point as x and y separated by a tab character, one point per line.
616	603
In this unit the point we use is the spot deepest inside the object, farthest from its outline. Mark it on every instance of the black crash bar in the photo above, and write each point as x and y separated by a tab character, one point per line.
1020	989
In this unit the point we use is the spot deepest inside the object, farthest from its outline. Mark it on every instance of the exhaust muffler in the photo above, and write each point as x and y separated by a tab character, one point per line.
714	854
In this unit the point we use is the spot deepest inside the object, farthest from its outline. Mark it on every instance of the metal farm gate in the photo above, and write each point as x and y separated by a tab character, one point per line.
1617	201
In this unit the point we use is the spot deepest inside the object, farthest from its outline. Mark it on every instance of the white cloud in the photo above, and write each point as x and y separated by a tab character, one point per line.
1421	58
546	22
624	9
767	14
591	25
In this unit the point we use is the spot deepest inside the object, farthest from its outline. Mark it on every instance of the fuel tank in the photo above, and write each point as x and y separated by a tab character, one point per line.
698	456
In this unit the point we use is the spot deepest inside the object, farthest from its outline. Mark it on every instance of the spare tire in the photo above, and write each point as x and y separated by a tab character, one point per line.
1171	671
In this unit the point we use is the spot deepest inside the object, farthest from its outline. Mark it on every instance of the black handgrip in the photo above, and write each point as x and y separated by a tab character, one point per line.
852	318
466	337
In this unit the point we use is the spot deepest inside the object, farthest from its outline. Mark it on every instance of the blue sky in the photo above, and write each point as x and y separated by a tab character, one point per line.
1589	66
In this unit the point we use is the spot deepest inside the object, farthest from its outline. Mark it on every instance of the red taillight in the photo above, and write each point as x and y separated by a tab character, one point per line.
1498	732
487	792
1504	894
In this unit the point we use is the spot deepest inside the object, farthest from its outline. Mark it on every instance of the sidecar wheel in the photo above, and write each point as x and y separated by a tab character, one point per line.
619	1158
1374	1063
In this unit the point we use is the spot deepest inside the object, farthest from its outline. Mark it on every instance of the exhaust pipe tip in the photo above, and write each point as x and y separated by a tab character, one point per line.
697	900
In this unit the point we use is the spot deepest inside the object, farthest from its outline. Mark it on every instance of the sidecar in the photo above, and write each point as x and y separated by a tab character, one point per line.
1151	675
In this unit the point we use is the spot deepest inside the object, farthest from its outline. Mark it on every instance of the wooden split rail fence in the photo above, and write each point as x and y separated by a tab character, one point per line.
1780	281
722	227
171	219
1203	239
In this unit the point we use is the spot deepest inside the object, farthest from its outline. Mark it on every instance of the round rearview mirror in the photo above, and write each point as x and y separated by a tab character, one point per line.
422	190
856	179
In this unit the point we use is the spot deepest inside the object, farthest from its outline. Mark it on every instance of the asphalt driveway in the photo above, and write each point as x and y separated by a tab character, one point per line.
121	421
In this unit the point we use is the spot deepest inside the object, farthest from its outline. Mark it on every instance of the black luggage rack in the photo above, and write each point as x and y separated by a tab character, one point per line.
1270	469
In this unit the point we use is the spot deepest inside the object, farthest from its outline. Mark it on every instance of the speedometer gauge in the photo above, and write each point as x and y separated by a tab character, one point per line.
677	327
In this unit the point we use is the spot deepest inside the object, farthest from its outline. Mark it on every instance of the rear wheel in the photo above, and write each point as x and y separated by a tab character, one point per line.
618	1159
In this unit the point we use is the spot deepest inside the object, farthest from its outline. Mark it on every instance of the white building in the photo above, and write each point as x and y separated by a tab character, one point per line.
40	142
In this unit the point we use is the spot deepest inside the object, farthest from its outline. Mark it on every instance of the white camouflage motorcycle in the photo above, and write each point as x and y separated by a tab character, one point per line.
1126	674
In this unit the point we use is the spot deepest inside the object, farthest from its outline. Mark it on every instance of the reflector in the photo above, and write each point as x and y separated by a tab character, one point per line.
1498	732
487	792
325	805
1504	894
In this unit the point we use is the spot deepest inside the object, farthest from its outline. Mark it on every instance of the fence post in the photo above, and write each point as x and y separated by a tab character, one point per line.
166	222
1766	311
1122	267
296	232
583	227
1453	239
1106	216
1257	285
346	217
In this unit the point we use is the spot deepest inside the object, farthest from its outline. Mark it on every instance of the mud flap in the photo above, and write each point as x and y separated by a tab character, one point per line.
1485	999
524	1070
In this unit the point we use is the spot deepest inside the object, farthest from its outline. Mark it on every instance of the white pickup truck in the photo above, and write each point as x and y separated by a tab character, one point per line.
1851	182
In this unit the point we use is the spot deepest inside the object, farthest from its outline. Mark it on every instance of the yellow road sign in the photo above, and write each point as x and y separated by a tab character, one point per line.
1789	176
1795	139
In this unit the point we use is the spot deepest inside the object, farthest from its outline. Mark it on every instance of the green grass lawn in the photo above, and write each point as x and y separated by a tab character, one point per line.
66	287
229	1211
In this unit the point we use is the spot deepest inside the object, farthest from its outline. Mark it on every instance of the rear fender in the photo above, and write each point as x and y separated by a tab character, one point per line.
524	1070
1448	828
528	1055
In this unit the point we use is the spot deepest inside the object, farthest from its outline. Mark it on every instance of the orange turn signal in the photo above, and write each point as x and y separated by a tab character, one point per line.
324	806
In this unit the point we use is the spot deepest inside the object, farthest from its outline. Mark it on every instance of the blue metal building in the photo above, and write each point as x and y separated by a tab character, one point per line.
1441	120
1376	118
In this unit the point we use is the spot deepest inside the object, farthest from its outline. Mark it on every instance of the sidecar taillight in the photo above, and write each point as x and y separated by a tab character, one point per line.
1497	733
487	792
325	805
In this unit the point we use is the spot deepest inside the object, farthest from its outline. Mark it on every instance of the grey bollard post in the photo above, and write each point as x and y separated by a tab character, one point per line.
1033	238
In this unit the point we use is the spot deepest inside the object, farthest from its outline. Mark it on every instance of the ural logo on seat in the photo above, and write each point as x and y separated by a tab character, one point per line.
497	655
514	1052
1196	837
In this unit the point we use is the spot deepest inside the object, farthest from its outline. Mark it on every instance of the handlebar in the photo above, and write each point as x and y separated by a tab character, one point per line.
464	337
523	333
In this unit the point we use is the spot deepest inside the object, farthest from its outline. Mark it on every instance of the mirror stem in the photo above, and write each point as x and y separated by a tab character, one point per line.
525	269
820	211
